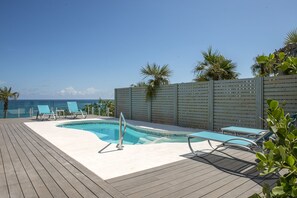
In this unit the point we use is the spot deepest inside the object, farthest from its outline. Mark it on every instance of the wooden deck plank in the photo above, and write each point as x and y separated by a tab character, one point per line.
14	187
67	175
185	188
172	177
25	182
88	178
73	175
43	173
175	179
143	179
33	175
59	178
146	172
3	183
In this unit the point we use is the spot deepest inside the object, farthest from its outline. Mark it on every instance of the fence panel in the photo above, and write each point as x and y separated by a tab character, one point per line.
123	102
139	104
163	105
209	105
193	105
282	89
235	103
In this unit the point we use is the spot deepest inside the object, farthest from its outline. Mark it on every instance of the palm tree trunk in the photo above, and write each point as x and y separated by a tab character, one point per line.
5	108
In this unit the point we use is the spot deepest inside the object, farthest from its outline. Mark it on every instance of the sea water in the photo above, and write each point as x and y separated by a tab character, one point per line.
21	108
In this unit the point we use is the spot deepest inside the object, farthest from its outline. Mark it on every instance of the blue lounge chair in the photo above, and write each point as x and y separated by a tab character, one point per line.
73	110
44	110
243	130
250	144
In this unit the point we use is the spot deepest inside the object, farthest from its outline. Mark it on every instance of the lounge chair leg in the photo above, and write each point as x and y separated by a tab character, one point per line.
190	146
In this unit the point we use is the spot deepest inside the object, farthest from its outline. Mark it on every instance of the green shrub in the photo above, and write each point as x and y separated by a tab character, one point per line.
280	154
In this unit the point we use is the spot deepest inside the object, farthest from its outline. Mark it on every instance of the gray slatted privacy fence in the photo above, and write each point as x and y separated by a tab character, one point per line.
193	105
234	103
283	89
209	105
139	104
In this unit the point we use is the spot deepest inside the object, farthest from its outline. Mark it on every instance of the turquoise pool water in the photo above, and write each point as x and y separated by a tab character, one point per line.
109	132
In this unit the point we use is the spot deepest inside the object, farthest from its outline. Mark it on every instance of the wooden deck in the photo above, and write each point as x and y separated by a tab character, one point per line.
210	176
30	166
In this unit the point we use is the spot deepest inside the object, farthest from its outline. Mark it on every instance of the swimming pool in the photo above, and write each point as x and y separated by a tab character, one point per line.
109	132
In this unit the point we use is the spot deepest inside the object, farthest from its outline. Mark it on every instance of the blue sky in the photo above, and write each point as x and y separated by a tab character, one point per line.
54	49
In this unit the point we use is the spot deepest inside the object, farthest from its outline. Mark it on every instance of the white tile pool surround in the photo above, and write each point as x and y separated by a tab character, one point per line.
83	146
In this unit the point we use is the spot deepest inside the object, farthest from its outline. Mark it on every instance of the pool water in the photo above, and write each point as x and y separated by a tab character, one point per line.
109	132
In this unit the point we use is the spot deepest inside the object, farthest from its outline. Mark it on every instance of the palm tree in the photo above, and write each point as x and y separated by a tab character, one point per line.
159	76
264	66
291	37
5	94
139	84
215	67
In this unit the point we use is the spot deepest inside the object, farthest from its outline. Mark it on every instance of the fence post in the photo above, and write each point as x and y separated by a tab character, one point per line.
115	105
175	104
210	105
259	102
130	100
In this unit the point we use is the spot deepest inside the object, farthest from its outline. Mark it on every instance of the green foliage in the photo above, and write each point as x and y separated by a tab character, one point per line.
215	67
273	64
291	37
280	153
289	66
5	94
158	76
104	106
265	66
139	84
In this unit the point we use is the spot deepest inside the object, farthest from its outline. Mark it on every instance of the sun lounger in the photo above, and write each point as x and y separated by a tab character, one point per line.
73	110
44	110
243	130
249	144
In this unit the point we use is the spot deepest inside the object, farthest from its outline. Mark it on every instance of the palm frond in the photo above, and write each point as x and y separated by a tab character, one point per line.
157	76
291	37
214	67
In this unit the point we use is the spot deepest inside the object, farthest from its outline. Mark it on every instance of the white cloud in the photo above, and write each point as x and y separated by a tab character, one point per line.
70	91
2	82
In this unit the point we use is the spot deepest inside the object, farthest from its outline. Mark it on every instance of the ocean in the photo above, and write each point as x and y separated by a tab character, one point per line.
21	108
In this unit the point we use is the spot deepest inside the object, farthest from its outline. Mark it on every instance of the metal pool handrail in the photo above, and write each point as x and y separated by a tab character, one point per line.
121	133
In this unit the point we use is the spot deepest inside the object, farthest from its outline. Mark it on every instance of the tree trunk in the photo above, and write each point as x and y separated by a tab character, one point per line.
5	108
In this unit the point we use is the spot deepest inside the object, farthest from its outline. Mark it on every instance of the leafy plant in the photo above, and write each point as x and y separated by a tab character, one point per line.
106	107
215	67
273	64
289	65
265	66
280	154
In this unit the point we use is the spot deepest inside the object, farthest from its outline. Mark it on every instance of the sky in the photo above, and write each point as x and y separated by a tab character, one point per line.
77	49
